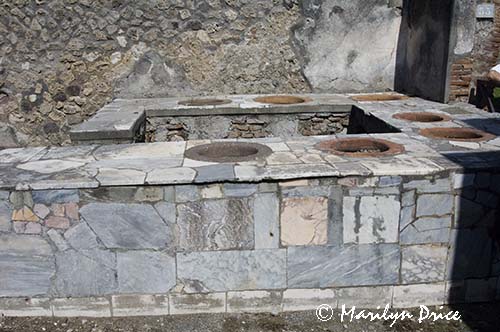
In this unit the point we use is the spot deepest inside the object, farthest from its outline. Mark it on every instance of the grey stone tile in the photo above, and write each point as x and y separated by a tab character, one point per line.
55	196
353	265
213	173
216	225
266	221
5	216
434	205
58	240
429	186
85	273
26	266
371	219
306	191
167	211
187	193
239	189
171	175
423	263
145	272
232	270
427	230
81	237
127	226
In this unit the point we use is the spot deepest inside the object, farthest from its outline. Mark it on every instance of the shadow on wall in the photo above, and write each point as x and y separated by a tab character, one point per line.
474	253
423	48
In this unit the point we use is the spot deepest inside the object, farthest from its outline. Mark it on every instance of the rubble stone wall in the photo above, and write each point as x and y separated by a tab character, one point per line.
62	60
241	247
161	129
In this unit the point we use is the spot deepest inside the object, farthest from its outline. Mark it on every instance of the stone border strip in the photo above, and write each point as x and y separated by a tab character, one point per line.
259	301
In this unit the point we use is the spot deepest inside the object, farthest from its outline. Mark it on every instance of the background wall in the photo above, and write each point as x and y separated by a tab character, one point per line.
61	60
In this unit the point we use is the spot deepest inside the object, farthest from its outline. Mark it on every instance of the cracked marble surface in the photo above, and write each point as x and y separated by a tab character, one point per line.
163	163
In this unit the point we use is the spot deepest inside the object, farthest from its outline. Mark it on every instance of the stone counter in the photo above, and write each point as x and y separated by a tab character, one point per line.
139	229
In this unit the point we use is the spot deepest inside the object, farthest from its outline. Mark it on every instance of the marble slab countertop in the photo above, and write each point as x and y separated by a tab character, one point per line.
92	166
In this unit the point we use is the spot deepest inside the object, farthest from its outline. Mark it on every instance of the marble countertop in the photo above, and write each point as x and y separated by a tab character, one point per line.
92	166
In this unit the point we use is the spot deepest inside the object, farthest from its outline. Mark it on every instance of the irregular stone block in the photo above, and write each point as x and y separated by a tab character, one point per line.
353	265
239	189
187	193
215	225
127	226
220	172
85	273
41	210
463	180
197	303
434	205
306	191
57	222
232	270
81	237
139	305
308	299
171	175
26	266
58	240
211	191
254	301
413	296
266	221
82	307
167	211
371	219
408	198
304	221
24	214
5	214
23	307
423	264
48	197
145	272
427	231
428	186
364	297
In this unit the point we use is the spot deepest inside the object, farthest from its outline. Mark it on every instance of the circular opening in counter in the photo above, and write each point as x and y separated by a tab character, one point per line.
281	100
204	102
360	147
421	117
228	152
379	97
457	134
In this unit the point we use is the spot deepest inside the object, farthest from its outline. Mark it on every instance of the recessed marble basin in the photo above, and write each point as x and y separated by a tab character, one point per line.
457	134
281	100
360	147
204	102
421	117
226	152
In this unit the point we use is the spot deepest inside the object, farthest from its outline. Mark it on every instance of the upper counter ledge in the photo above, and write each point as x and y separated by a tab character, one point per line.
165	163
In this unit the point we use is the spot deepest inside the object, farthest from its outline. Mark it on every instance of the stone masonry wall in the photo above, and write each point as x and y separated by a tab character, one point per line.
161	129
250	247
62	60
